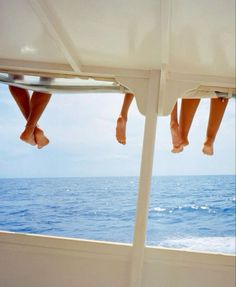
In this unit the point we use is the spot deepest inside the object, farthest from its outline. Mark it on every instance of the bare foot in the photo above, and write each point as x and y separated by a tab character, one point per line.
28	136
185	142
177	149
208	149
121	130
176	139
40	138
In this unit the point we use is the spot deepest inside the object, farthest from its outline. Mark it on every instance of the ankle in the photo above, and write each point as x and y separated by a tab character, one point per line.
30	126
123	117
29	129
209	141
174	125
185	141
38	130
184	138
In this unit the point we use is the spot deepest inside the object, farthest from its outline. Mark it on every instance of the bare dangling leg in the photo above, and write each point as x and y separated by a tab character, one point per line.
122	119
188	110
217	110
38	103
22	98
174	128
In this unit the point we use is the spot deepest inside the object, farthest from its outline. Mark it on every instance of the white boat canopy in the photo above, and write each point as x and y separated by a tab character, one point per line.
187	43
160	50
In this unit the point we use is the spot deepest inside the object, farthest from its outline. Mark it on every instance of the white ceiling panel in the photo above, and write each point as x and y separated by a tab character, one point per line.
122	34
203	37
116	33
23	35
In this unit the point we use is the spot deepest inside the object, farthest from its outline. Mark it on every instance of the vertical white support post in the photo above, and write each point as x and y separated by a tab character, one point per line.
145	181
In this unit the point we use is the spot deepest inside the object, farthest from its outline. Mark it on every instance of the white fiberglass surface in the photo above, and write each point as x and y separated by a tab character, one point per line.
58	81
113	33
203	37
105	33
69	85
24	36
125	34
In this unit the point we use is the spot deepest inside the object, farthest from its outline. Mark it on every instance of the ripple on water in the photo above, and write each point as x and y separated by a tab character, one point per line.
104	208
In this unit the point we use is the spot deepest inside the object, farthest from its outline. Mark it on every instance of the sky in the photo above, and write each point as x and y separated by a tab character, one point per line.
81	129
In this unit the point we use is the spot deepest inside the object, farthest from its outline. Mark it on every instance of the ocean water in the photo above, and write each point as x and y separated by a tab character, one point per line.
187	212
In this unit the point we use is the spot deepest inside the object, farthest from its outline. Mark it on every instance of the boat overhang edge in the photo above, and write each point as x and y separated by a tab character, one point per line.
172	84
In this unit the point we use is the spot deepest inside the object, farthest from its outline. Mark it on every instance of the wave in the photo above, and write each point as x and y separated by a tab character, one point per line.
209	244
193	208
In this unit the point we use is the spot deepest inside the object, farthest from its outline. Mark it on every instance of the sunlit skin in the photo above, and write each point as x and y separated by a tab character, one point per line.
217	110
122	119
180	130
174	128
187	113
32	109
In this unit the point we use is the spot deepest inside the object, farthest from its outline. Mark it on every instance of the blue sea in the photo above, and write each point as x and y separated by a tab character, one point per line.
186	212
